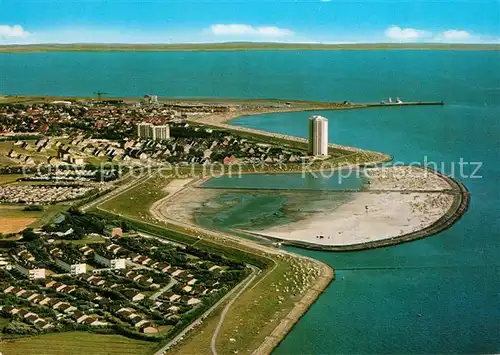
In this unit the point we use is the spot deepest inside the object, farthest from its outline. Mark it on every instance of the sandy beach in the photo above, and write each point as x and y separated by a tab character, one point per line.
405	178
369	217
397	201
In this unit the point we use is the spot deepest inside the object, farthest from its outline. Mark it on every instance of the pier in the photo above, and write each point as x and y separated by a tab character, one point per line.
409	103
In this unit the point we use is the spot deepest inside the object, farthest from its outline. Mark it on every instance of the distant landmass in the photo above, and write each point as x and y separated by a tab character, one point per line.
241	46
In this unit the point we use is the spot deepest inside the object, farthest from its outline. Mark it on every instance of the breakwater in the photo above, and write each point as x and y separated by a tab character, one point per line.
410	103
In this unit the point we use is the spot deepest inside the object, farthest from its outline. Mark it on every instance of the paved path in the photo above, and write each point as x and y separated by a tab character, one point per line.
198	321
224	312
155	296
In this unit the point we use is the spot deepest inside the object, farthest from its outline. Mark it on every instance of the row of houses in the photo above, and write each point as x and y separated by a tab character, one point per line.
28	317
62	308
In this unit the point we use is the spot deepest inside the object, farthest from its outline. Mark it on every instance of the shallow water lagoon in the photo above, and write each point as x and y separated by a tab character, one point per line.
328	181
256	210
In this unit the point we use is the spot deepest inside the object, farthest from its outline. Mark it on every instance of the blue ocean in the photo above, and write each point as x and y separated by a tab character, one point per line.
432	296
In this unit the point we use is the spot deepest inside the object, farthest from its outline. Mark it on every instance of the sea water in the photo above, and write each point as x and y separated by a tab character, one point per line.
436	295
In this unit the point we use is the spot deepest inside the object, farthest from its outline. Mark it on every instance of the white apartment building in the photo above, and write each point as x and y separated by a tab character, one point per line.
150	131
110	263
32	273
318	136
73	269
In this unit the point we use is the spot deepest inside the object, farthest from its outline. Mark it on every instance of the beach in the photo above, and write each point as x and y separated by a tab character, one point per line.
368	217
394	202
397	201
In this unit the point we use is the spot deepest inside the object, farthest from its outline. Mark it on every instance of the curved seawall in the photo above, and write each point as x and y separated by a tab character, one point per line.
455	212
299	310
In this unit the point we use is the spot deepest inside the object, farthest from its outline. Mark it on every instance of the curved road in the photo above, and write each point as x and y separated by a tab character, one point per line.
226	309
179	337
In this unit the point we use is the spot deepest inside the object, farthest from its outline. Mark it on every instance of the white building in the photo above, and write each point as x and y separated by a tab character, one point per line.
76	160
32	273
74	269
110	263
144	130
150	131
161	132
318	135
151	99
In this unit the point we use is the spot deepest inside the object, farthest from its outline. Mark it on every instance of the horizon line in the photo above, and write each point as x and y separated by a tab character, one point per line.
253	43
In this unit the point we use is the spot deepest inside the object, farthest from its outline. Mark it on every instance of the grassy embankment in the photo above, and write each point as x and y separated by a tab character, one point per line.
76	343
338	156
258	311
238	46
137	203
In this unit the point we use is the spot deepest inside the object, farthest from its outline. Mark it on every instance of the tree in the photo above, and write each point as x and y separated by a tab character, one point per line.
29	235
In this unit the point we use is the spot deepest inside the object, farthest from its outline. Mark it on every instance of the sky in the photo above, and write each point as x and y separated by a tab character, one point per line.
203	21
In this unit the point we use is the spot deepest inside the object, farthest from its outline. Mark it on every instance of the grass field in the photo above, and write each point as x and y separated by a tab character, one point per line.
5	161
137	202
3	322
88	240
254	315
76	343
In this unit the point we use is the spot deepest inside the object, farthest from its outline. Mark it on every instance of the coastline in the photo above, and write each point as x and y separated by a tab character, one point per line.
279	333
453	214
326	276
222	121
235	46
327	273
420	204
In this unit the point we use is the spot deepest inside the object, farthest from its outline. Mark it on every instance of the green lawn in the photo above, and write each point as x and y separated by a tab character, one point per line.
76	343
255	314
3	322
137	201
88	240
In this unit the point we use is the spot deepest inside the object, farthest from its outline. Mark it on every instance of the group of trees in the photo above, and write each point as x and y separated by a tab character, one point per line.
81	223
33	208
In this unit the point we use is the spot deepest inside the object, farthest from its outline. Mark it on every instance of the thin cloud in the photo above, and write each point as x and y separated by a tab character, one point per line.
249	30
405	34
456	35
12	32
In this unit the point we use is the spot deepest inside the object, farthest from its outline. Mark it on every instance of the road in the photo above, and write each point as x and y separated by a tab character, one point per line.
155	296
249	279
225	310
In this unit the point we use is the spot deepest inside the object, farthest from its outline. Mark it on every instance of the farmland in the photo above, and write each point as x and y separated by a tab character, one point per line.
76	343
13	219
